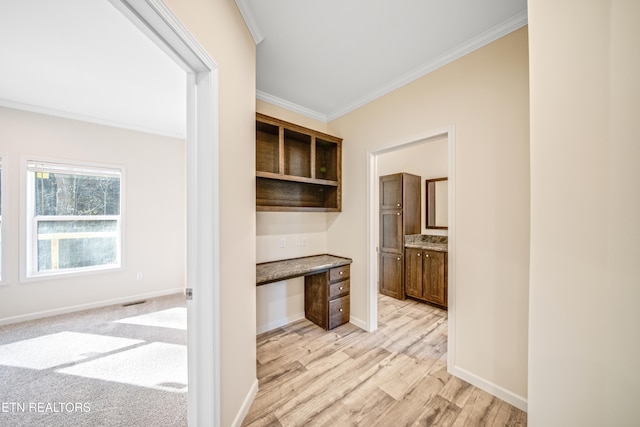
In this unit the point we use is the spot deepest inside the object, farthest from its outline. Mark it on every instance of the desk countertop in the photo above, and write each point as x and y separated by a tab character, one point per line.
274	271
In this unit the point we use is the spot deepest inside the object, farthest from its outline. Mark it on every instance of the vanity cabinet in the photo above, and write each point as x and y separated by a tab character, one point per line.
426	275
400	203
297	169
326	297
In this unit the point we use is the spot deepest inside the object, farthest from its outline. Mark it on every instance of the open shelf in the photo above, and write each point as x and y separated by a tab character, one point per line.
297	169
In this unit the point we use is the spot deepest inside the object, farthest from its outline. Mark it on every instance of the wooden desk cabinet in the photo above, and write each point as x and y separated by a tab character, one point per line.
326	297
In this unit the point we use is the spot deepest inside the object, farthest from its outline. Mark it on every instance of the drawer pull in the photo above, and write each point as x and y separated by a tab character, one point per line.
341	275
340	287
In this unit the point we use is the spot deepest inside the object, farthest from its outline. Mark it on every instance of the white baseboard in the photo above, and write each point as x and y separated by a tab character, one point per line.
88	306
246	405
359	323
499	392
280	322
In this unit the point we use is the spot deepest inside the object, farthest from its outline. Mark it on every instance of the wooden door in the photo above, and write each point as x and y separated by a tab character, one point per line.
390	275
391	237
433	277
413	272
391	191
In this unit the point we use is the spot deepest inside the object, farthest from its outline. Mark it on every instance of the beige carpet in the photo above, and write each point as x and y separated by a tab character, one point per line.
113	366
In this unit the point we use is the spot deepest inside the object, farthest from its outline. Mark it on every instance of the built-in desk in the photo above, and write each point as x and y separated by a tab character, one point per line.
326	285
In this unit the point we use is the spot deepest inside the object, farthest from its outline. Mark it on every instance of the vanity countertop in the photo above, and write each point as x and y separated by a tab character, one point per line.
430	243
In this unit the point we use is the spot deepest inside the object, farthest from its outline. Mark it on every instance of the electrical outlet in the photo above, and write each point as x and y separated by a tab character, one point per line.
304	241
298	242
139	276
283	242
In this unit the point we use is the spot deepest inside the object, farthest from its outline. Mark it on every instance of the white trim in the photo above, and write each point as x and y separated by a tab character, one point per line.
279	322
250	19
358	322
88	306
89	119
246	405
203	217
491	388
283	103
488	36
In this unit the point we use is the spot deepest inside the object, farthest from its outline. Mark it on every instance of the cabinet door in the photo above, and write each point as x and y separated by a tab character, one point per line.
434	277
391	191
413	273
391	275
391	237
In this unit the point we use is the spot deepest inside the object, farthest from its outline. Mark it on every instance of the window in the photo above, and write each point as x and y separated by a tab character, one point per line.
74	218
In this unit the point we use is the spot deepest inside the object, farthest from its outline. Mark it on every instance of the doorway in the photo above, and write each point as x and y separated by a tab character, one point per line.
158	23
373	230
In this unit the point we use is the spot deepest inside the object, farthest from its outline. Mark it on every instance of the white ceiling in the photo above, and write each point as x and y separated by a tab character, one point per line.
83	59
329	57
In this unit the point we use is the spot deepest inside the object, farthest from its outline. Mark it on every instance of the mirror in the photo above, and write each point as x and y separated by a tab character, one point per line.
437	203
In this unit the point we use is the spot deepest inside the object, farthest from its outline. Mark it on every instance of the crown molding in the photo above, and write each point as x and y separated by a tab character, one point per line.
491	35
287	105
88	119
250	19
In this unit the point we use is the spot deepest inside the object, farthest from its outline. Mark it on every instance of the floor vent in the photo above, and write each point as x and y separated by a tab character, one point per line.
134	303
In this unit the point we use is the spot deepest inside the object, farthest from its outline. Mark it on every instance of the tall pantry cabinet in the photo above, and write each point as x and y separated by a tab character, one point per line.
399	215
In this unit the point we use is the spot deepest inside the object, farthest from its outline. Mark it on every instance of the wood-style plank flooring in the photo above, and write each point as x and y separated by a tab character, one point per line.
396	376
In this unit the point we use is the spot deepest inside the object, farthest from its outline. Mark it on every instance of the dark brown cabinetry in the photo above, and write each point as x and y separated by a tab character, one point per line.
297	169
426	275
399	215
326	297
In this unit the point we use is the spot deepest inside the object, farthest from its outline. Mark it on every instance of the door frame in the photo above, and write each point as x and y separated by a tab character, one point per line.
158	23
373	231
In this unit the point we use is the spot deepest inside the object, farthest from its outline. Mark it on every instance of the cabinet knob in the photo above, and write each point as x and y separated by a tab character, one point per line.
341	272
419	254
398	213
427	255
398	204
398	259
340	310
340	287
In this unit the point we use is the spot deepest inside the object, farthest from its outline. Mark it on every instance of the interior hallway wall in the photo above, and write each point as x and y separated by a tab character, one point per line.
219	28
485	95
584	344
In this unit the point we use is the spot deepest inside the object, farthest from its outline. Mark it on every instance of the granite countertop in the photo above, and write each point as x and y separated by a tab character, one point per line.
430	243
274	271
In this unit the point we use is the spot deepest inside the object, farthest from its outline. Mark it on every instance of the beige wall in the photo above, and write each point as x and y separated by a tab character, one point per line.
221	31
485	95
585	204
154	216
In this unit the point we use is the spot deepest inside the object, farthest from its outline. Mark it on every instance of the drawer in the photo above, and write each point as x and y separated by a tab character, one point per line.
339	311
339	273
338	289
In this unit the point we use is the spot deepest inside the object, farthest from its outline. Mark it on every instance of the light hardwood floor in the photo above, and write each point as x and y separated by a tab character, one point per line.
396	376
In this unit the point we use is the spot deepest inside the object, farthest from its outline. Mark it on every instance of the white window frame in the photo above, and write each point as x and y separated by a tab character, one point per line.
4	236
29	230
